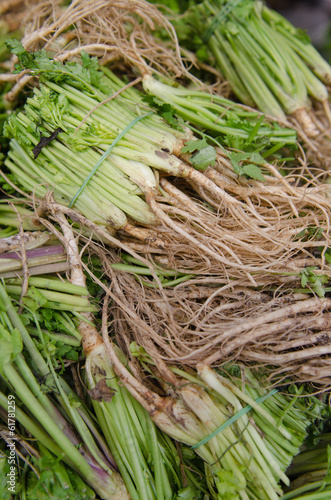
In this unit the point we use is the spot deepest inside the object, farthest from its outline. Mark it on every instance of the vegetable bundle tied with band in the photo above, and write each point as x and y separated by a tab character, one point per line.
106	153
267	61
246	434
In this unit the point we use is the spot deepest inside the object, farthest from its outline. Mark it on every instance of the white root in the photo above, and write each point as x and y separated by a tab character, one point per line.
91	338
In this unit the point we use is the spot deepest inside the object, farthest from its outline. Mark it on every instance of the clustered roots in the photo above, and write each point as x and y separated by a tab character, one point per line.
244	301
120	29
255	233
202	321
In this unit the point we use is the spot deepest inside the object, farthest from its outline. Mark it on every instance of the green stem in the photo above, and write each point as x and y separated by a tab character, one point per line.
51	284
28	342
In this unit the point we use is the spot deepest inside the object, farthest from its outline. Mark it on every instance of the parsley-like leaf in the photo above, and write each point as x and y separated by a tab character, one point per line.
253	171
166	111
192	146
204	158
250	170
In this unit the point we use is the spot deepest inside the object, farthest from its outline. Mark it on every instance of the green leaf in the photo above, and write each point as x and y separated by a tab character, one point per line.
228	486
318	287
92	65
304	278
256	158
204	158
6	355
314	281
253	171
15	47
250	170
192	146
17	343
187	493
37	296
166	111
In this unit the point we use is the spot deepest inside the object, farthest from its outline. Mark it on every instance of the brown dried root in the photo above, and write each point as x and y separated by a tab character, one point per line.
118	29
317	145
206	322
253	234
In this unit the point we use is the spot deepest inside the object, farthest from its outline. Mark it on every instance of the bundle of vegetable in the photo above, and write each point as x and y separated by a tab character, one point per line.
117	185
266	60
232	464
217	115
66	429
103	167
146	457
209	412
248	468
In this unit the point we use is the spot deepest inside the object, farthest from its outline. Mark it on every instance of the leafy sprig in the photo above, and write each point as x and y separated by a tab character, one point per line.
86	75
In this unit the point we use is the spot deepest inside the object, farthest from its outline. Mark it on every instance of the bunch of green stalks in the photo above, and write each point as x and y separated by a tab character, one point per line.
14	213
105	156
148	460
51	293
151	465
267	62
43	259
59	421
247	453
221	117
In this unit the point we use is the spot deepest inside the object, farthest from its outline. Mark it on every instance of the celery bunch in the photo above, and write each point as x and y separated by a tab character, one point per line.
65	428
267	61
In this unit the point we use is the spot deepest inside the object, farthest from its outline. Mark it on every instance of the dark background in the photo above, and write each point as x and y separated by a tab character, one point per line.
314	16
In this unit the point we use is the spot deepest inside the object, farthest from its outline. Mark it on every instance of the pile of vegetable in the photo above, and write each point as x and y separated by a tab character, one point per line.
165	256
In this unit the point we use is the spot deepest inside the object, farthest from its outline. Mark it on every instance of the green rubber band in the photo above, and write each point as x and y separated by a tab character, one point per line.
235	417
105	154
218	19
